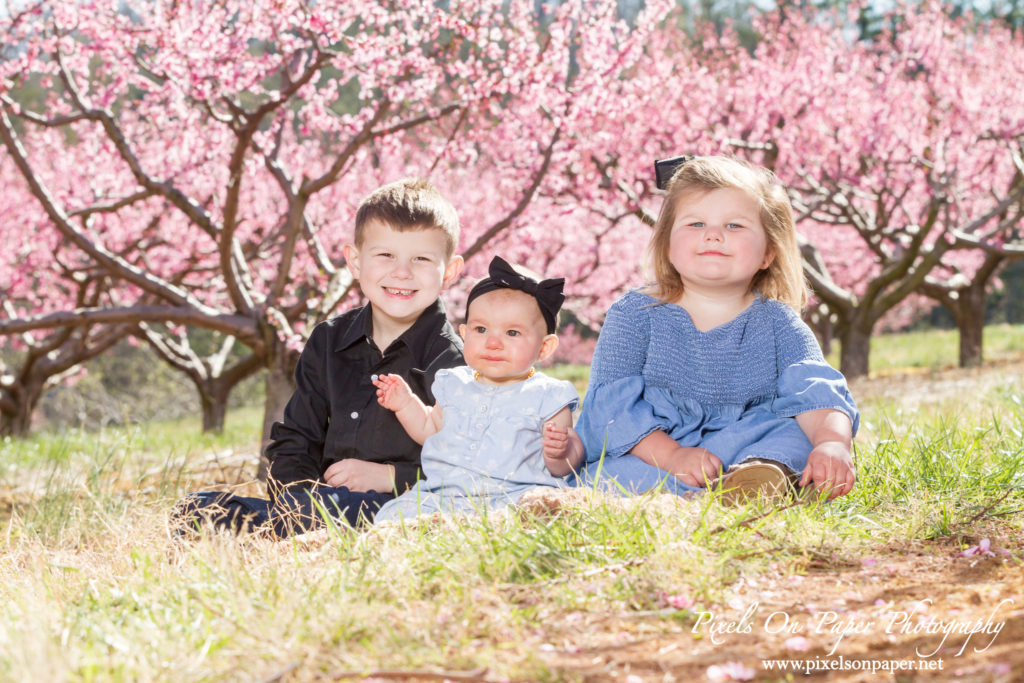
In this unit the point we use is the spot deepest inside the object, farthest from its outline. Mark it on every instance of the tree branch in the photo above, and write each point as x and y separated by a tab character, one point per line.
233	265
112	207
418	121
239	326
111	262
524	201
311	187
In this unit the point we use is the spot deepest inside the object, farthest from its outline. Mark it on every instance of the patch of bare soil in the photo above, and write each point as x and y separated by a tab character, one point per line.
922	613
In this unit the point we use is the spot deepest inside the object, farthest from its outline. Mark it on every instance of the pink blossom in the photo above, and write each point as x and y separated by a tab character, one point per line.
983	548
730	671
798	643
679	601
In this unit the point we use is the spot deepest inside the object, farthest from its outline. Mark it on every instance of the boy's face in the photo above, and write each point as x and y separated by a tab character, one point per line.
401	273
505	335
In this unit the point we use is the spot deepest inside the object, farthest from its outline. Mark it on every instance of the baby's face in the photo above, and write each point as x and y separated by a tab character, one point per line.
504	334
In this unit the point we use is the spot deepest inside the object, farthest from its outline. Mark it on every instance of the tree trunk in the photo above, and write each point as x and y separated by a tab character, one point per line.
854	350
280	385
215	392
970	322
16	416
819	319
215	409
826	332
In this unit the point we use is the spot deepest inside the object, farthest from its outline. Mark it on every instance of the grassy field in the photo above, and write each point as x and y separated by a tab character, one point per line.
936	349
579	587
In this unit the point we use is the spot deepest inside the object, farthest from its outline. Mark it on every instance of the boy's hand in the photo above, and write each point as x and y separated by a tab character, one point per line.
392	392
555	440
830	468
361	476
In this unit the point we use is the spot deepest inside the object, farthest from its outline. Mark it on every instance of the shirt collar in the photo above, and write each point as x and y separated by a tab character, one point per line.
416	337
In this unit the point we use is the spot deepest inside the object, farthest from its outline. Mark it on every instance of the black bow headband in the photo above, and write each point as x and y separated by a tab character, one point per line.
500	275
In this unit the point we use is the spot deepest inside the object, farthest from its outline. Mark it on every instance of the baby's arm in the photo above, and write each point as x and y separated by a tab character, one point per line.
563	450
690	465
419	420
830	464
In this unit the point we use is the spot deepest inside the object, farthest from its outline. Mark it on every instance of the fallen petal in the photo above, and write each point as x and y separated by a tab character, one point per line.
730	671
798	643
679	601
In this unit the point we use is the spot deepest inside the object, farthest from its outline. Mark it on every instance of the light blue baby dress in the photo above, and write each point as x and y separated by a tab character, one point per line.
733	390
488	452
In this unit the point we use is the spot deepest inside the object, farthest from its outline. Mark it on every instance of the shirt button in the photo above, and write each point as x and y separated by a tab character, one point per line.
472	446
483	409
354	415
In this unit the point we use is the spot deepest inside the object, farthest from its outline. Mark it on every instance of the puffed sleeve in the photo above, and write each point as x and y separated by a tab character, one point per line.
443	386
558	395
806	380
615	415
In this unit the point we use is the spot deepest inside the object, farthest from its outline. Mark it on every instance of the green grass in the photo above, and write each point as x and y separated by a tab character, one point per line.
95	587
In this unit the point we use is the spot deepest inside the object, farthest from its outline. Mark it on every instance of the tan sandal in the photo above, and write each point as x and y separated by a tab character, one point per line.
760	479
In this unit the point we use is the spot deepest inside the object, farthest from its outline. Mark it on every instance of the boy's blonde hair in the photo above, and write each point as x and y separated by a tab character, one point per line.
783	279
409	204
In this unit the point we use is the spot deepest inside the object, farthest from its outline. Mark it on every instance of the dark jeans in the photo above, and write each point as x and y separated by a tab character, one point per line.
294	511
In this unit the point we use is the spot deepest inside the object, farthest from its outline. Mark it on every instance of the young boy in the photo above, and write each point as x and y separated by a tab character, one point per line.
337	449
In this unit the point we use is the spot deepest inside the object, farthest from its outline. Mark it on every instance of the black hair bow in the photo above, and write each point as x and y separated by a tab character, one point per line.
664	169
500	275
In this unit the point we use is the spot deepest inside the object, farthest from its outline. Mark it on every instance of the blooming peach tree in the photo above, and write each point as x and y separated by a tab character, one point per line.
902	154
198	164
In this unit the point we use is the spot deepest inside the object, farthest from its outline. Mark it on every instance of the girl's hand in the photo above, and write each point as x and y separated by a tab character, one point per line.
392	391
694	466
830	468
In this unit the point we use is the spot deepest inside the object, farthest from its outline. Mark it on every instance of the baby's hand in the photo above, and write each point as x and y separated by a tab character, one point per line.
392	391
555	440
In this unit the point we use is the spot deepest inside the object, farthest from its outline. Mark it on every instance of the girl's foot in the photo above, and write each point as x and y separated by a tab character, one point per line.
756	479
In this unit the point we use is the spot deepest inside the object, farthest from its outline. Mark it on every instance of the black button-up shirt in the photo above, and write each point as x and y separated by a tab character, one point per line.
334	414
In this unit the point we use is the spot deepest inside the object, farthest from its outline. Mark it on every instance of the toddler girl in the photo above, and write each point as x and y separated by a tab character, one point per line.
711	369
499	427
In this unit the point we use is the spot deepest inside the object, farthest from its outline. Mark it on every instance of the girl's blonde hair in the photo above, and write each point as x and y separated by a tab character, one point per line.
783	279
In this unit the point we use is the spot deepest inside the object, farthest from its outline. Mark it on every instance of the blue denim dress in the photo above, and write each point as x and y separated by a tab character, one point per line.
734	390
488	452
